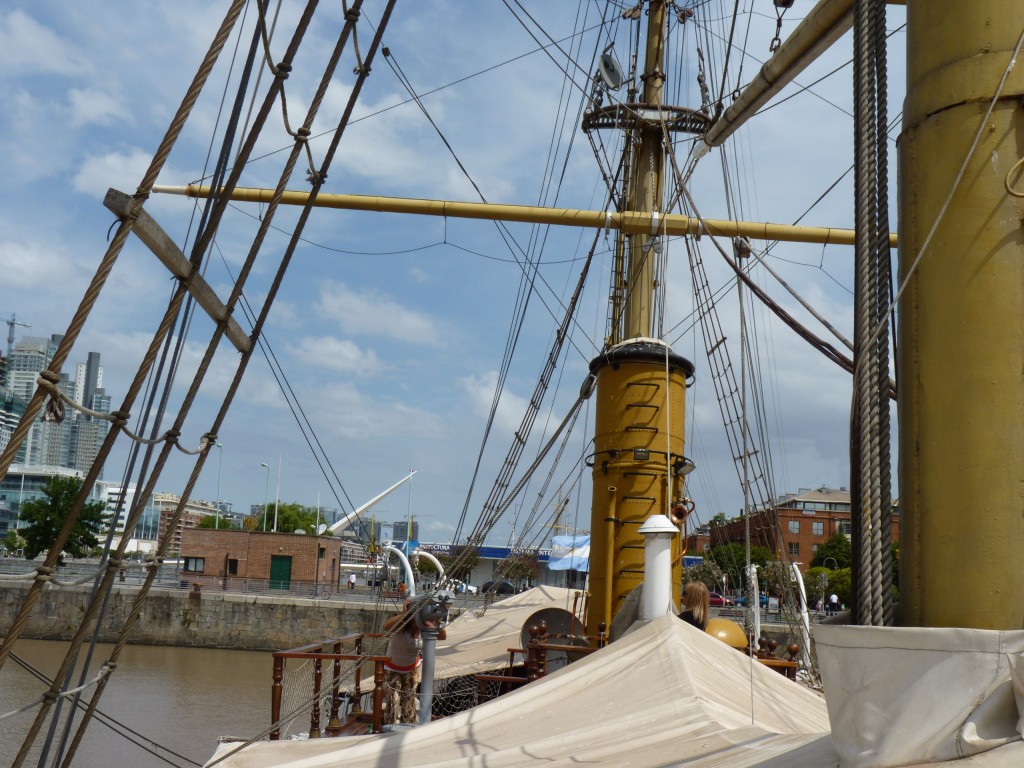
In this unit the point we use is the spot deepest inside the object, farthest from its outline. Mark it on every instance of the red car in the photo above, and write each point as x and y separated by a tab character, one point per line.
719	601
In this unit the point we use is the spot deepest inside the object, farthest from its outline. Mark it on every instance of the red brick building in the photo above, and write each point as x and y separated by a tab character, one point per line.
283	559
798	525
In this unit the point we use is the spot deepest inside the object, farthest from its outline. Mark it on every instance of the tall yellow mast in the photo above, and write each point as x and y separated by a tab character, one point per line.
961	354
641	384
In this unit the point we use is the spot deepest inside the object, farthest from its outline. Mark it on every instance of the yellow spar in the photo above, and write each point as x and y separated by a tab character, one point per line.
629	222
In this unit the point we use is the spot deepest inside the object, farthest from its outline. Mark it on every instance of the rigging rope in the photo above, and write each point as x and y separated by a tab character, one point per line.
89	300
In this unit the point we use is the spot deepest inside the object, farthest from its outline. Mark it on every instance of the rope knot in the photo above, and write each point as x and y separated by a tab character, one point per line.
50	696
172	434
283	69
49	376
120	417
114	563
352	15
45	570
302	134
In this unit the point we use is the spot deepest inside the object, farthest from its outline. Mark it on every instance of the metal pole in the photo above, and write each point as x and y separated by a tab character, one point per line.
277	498
220	464
266	495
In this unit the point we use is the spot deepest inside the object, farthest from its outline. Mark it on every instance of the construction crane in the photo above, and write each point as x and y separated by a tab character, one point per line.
11	322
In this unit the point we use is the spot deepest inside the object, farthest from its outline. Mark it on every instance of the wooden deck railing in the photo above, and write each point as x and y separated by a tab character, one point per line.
346	681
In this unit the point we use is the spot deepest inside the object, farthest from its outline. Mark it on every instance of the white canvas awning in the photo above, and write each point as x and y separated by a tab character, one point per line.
688	700
478	640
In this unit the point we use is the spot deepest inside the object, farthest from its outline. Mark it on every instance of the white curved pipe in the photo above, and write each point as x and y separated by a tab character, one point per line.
409	580
434	560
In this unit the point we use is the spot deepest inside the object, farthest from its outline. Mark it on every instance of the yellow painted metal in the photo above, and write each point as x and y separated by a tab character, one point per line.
823	25
644	186
961	334
627	221
640	406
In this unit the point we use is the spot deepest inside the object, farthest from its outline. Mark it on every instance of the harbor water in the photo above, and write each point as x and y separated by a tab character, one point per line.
183	699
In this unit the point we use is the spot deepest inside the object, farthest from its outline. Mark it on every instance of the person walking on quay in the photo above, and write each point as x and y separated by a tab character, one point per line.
352	581
833	604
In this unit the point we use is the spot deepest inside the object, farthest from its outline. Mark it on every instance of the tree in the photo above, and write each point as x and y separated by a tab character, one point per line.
732	558
290	517
13	542
460	561
706	572
816	583
212	521
46	515
836	548
841	583
522	567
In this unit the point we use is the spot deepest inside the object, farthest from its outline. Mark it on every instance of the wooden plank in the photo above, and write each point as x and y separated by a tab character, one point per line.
163	247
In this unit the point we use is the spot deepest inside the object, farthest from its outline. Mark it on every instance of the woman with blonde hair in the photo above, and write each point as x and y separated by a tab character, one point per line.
696	605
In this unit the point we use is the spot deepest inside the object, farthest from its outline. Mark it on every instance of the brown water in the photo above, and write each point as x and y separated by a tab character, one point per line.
181	698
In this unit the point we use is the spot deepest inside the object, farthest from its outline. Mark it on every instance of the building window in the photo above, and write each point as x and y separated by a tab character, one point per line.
845	526
195	564
322	552
814	549
794	549
818	529
232	567
794	526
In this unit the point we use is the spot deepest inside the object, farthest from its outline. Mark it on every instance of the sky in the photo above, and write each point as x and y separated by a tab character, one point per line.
391	330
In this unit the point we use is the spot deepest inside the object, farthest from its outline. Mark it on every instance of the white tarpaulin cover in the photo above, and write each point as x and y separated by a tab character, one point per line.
665	694
688	700
478	640
900	695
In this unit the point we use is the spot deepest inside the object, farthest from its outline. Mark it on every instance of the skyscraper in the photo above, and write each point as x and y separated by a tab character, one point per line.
72	443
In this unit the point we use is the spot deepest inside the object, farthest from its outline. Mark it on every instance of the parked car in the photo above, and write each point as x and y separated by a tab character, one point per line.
498	588
719	601
742	600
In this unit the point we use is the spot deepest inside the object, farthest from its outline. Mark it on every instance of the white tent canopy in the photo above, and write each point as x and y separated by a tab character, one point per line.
478	640
688	700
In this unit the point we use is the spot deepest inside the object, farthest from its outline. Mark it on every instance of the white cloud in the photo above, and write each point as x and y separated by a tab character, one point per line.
91	106
480	390
26	46
34	265
335	354
121	170
375	314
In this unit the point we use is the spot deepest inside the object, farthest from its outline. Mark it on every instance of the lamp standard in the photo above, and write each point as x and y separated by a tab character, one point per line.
277	497
220	465
266	494
835	563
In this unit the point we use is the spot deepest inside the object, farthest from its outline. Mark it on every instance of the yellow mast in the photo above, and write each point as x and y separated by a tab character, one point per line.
640	397
961	355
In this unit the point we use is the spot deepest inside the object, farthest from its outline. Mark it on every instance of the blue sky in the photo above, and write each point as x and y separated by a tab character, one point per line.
391	329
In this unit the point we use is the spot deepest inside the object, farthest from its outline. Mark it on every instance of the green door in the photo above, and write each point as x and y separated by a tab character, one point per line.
280	571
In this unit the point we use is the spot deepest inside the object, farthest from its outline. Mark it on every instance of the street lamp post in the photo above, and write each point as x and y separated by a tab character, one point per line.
277	497
266	494
835	563
220	465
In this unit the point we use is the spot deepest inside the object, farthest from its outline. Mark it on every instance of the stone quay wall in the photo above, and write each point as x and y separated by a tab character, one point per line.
178	618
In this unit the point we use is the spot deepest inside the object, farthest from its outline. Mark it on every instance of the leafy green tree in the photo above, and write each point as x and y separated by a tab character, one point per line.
816	582
731	559
46	515
460	561
707	572
841	583
12	541
838	548
290	517
521	567
212	521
